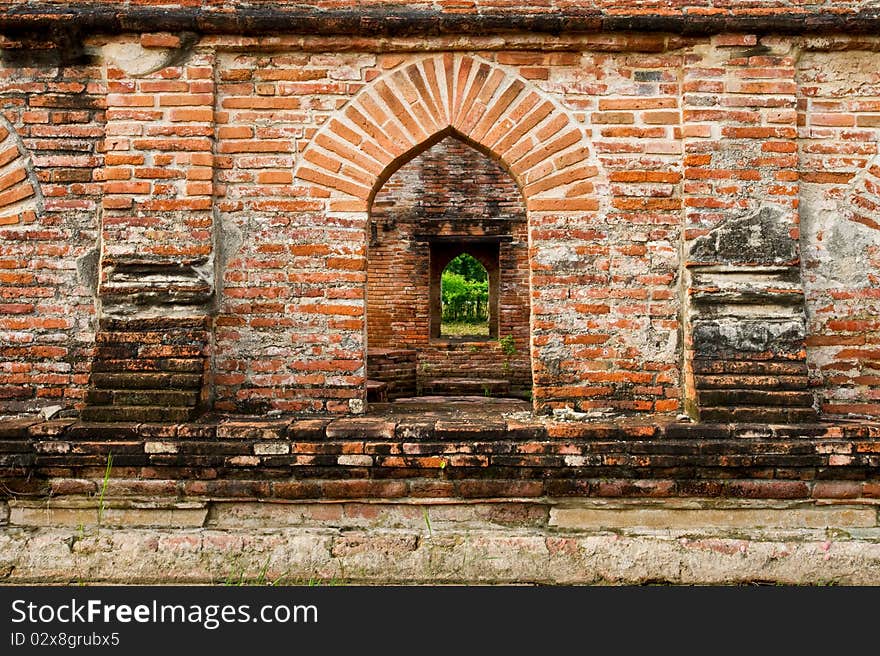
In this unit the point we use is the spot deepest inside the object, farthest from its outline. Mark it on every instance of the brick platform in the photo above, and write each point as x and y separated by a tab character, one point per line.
439	490
465	448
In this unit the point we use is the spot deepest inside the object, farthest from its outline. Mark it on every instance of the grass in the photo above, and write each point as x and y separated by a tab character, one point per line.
237	577
462	329
428	522
101	506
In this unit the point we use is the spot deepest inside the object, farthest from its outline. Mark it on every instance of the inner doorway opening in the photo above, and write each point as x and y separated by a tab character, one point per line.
464	298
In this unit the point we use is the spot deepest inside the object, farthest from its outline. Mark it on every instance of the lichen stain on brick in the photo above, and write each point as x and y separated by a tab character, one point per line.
761	238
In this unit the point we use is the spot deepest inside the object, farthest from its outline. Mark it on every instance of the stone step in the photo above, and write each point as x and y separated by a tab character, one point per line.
750	367
136	351
736	381
759	414
466	387
146	380
168	324
137	413
377	391
134	364
142	397
755	397
171	337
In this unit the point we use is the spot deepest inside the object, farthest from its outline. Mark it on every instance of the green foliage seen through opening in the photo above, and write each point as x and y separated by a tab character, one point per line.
464	293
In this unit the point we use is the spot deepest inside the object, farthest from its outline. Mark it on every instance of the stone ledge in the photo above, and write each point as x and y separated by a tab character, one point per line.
385	425
580	518
399	20
701	515
373	544
111	517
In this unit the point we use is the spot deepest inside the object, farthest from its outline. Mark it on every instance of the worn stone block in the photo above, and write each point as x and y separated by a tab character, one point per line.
584	518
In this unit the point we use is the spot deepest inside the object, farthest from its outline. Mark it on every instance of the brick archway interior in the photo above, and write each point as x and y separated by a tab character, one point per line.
448	200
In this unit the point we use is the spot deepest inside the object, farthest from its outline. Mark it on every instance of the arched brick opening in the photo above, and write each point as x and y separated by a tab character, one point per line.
20	196
541	145
448	200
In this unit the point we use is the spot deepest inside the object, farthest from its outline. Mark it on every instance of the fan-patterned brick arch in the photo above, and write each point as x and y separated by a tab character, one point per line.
413	106
864	199
19	191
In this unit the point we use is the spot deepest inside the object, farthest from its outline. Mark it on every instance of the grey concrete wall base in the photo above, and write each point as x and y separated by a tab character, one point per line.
425	541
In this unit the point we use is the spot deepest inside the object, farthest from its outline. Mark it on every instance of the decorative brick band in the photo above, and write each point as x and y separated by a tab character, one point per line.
418	104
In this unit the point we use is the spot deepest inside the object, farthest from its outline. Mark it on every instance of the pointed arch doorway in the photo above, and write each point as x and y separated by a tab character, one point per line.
449	200
543	147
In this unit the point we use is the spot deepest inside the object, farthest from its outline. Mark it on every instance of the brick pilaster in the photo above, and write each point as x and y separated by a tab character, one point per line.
745	339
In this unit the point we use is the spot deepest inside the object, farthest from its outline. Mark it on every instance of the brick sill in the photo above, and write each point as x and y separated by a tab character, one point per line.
475	340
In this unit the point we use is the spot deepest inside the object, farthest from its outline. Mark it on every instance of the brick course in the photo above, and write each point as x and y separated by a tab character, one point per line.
389	457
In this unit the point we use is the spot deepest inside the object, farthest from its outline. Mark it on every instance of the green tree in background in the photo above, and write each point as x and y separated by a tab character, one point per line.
469	267
464	291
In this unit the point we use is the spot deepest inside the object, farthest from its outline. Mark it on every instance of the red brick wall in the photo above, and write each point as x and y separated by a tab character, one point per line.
236	177
158	173
50	157
290	332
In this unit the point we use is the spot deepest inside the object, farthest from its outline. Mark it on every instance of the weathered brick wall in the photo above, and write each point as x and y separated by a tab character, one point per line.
188	197
583	353
664	180
157	222
50	155
485	455
290	328
839	113
622	272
